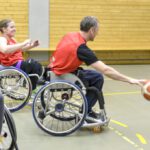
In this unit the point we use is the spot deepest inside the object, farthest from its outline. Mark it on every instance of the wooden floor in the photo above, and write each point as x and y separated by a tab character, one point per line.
129	128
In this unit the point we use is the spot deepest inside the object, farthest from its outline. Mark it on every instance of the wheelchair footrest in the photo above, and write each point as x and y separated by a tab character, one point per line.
91	122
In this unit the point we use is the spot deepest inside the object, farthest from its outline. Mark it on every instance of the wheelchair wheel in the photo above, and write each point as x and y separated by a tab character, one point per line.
59	108
16	88
9	134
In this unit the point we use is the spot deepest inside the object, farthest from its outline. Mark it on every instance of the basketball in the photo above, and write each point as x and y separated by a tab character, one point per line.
146	90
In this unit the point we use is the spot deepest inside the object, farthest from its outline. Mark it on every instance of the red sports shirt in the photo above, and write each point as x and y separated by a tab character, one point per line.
11	58
64	59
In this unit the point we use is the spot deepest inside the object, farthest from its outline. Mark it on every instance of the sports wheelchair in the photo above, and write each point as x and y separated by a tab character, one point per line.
60	106
16	87
8	137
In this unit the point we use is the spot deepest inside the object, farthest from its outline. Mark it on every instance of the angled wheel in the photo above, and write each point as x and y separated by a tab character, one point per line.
16	88
9	134
59	108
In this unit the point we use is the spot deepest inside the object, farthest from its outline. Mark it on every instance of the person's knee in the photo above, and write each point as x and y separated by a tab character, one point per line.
36	66
99	78
99	81
97	75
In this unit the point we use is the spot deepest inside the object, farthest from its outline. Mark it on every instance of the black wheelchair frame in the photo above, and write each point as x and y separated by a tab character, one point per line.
8	133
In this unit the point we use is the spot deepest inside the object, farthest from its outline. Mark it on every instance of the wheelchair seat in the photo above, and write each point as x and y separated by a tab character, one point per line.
67	77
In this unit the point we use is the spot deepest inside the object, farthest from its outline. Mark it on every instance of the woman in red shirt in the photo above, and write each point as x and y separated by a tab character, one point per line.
11	52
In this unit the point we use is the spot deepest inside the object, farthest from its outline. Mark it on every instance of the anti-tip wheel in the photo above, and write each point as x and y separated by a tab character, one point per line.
97	129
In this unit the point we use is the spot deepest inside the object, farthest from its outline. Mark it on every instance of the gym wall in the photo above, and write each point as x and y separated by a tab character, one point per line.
124	26
18	11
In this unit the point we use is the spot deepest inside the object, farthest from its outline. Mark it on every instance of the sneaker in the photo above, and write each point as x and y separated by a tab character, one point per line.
94	115
98	116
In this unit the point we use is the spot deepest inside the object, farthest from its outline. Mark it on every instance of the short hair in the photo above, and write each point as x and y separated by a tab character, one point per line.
88	22
4	24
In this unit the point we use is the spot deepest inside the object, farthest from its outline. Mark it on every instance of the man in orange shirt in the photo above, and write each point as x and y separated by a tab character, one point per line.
72	51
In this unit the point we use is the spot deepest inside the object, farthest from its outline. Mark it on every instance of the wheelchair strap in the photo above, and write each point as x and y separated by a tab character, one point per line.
18	65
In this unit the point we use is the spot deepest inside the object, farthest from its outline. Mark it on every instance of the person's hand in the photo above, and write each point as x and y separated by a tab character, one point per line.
140	82
35	43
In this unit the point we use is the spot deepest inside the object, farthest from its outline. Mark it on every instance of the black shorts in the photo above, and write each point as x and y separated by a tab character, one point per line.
31	66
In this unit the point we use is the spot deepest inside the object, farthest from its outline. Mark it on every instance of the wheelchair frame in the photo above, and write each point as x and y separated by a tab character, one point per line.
9	133
51	104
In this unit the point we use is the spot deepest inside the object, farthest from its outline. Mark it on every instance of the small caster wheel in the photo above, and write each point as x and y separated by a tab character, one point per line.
97	129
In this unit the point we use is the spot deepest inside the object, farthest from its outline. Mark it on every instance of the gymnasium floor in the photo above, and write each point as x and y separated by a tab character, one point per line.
129	128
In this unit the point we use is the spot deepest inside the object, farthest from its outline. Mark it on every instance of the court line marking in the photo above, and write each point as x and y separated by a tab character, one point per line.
126	138
141	138
119	123
121	93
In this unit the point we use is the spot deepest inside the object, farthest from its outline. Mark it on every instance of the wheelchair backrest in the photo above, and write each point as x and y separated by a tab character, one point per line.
68	77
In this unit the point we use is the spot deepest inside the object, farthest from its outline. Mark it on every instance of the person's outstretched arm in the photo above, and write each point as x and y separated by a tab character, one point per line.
32	45
114	74
4	48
